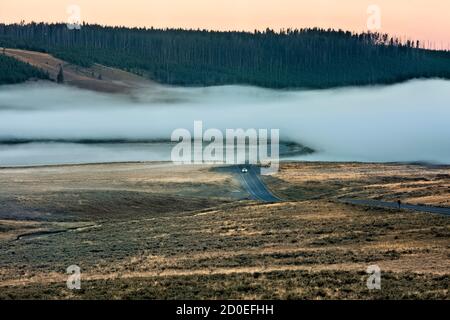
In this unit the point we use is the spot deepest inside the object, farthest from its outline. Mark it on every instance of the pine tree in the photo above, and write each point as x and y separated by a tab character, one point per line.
60	76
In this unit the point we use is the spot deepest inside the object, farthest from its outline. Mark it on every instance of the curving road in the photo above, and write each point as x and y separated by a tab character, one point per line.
252	183
394	205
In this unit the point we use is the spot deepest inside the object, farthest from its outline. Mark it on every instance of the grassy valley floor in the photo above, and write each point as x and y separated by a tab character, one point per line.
157	231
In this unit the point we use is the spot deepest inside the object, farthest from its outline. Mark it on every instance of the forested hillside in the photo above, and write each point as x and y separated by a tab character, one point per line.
13	71
310	58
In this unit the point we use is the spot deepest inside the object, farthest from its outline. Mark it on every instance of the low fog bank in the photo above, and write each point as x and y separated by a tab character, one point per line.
404	122
36	154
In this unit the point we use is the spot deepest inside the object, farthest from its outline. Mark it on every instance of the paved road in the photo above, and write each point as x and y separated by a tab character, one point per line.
394	205
252	182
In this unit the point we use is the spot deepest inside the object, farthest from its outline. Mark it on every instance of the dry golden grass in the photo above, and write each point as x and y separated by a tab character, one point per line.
162	237
112	80
415	184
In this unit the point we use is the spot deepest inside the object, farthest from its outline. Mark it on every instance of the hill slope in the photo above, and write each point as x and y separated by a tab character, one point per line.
96	77
13	71
311	58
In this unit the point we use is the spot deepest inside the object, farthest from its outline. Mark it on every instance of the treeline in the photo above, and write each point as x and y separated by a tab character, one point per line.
313	58
13	71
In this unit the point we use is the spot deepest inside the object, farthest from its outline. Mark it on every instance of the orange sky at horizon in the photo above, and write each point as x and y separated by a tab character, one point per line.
425	20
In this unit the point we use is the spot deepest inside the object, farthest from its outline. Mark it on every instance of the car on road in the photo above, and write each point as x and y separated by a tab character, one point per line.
244	170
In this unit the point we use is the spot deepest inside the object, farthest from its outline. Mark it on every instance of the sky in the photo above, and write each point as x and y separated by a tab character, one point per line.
425	20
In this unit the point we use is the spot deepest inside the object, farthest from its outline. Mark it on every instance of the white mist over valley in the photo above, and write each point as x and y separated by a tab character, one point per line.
50	124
